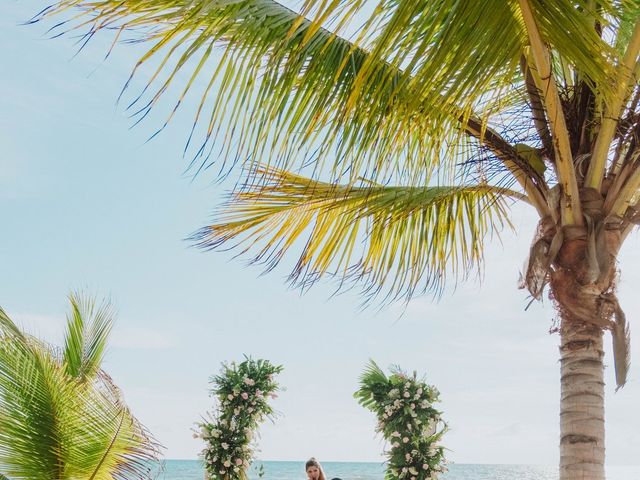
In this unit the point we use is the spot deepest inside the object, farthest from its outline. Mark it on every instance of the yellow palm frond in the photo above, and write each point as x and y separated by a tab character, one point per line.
400	240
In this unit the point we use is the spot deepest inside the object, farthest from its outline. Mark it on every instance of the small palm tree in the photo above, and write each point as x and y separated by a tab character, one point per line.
61	416
396	133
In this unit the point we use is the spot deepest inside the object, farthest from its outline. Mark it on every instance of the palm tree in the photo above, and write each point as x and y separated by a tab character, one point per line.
61	416
391	137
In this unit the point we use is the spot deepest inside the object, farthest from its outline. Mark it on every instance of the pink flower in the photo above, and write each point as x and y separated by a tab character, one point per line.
245	395
238	461
227	464
273	395
230	397
249	381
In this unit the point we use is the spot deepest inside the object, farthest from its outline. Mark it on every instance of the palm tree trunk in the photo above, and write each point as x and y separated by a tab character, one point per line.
581	401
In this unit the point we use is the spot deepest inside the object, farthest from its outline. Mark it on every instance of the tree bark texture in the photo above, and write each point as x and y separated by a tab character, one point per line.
584	302
582	448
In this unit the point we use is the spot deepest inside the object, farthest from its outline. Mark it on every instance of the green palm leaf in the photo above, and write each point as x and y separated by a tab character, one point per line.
287	84
87	334
410	236
58	426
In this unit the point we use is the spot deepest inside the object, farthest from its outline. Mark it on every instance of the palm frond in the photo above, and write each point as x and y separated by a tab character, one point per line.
32	386
410	236
88	329
546	82
55	426
285	84
621	338
372	379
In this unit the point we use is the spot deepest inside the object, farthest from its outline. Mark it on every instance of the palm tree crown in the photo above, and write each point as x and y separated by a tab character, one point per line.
61	416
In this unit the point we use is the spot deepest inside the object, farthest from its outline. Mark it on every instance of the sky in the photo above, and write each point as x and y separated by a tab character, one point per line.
86	202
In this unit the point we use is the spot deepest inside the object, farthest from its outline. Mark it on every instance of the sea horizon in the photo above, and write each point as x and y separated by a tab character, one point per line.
383	461
192	469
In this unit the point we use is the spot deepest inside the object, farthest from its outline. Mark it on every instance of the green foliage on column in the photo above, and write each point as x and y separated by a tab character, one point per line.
243	391
407	420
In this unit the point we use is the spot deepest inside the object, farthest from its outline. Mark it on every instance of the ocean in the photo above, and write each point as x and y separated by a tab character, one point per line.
192	470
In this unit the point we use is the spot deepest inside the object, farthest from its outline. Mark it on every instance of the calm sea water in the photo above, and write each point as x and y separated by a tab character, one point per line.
192	470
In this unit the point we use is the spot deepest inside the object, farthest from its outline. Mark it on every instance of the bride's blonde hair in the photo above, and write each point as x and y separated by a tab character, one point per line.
312	462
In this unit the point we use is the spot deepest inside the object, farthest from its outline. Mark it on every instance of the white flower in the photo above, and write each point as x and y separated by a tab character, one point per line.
395	444
413	471
224	445
230	396
404	469
227	463
249	381
406	395
407	457
396	434
405	439
425	466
